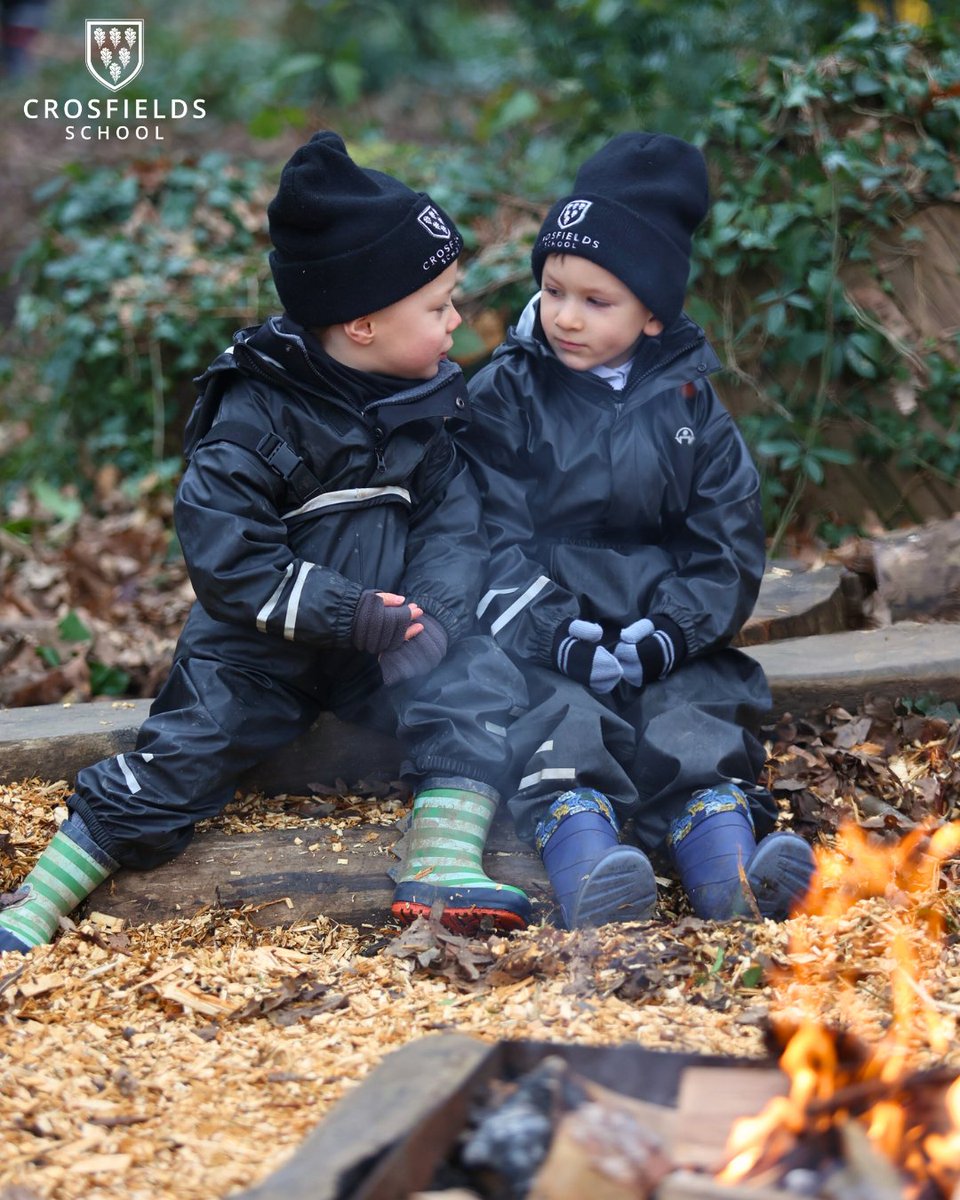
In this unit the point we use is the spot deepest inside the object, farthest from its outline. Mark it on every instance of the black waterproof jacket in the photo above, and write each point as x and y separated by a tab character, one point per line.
295	498
612	505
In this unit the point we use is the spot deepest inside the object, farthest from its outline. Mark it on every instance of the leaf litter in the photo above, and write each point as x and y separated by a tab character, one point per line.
193	1056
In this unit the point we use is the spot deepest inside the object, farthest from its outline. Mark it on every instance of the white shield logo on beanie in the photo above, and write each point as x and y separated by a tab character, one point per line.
433	223
573	213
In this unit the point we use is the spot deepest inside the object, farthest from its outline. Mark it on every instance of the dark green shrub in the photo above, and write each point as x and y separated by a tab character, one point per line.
813	162
137	279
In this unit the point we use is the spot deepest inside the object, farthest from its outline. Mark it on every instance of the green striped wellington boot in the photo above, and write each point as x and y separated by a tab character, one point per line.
444	861
65	873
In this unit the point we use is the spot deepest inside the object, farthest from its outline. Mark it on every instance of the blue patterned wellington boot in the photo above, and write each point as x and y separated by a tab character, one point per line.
710	842
594	878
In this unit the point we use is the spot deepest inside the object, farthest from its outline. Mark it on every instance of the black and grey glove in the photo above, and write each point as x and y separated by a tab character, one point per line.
650	649
378	627
577	653
418	655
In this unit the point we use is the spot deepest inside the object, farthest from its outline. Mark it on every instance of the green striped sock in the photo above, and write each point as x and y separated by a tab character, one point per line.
448	831
64	875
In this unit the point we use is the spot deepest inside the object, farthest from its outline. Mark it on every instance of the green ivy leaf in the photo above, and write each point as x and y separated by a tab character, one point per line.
107	681
72	629
48	655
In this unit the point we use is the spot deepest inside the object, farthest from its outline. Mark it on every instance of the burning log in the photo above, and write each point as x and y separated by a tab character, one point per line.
896	1131
840	1120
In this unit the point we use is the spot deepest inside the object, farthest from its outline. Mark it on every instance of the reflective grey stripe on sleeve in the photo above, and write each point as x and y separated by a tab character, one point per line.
547	773
519	604
265	613
293	604
491	596
350	496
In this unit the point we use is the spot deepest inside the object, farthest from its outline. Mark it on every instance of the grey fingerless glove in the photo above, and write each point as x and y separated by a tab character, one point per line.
377	627
418	655
578	654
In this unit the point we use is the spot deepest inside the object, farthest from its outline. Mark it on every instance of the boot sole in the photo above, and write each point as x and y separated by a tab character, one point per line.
467	912
777	856
467	922
621	887
9	942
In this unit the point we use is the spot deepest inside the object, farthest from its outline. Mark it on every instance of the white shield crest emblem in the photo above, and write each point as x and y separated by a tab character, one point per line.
573	213
114	51
433	223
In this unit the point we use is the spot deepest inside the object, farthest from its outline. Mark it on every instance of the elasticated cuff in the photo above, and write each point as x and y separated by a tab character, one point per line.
575	801
726	797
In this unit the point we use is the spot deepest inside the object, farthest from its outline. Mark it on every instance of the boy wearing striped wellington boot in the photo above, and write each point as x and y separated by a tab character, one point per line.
627	549
335	543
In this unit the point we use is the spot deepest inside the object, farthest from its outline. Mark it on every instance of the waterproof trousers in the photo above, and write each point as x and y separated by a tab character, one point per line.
233	698
646	750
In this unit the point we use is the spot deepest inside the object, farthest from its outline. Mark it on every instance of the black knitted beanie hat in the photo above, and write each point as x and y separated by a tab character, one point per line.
634	208
349	241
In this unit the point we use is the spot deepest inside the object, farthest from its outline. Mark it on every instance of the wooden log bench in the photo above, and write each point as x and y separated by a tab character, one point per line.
285	875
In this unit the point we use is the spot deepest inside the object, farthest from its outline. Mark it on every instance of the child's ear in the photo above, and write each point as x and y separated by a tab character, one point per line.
653	327
360	330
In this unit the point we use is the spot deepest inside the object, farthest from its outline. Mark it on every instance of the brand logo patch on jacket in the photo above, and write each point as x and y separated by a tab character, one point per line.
433	223
685	436
573	213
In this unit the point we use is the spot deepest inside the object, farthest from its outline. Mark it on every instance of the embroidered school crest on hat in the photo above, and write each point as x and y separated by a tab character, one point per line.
573	213
433	223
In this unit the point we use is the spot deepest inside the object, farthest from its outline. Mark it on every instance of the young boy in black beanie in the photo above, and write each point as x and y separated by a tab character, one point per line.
334	540
627	549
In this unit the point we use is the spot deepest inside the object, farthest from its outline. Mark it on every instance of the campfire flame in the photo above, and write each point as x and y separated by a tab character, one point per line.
825	1090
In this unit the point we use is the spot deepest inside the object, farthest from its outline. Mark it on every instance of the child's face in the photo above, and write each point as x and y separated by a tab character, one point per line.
590	318
414	334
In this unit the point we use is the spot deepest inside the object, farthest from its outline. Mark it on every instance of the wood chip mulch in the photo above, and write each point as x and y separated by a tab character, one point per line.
191	1058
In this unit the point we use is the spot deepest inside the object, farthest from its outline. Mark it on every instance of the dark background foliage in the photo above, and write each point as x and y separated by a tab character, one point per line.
831	133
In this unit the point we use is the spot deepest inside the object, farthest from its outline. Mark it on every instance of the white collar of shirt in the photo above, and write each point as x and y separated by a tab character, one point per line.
615	376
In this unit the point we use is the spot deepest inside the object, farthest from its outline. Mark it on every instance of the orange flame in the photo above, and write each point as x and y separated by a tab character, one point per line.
905	878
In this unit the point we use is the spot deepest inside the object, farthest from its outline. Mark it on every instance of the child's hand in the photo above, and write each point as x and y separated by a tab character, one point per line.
627	653
577	653
392	600
383	620
416	656
649	649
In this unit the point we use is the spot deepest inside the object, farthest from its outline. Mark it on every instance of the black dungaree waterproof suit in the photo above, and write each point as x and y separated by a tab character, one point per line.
613	506
296	497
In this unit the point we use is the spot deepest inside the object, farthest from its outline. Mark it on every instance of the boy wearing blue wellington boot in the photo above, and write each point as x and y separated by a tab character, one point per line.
334	540
627	550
